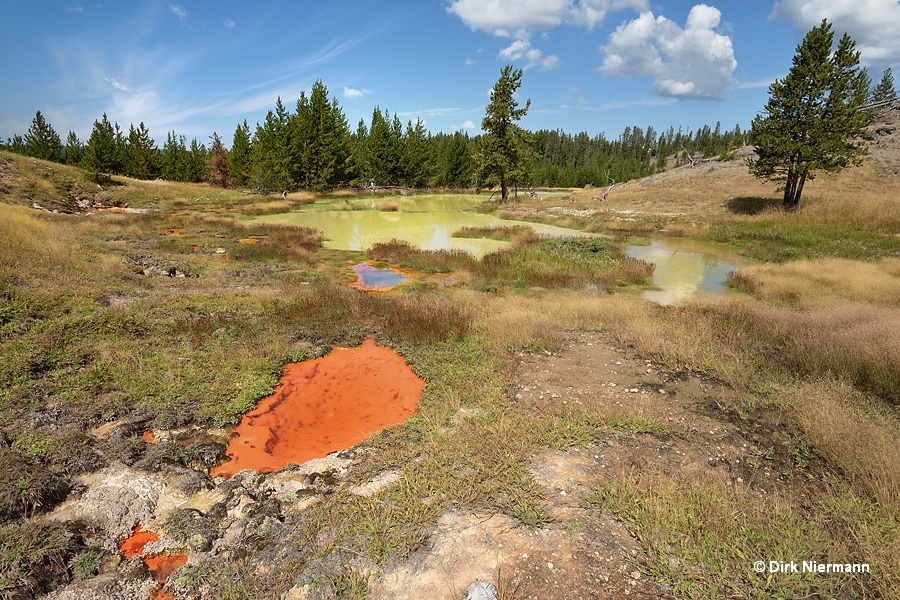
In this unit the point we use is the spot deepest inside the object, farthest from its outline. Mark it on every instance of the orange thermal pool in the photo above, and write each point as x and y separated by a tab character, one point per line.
322	406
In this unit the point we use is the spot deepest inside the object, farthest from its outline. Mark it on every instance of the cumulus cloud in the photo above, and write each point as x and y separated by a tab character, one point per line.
350	92
689	62
467	125
506	17
521	49
517	19
873	24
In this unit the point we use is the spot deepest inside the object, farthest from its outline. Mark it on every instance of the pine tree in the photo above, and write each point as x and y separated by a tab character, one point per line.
359	148
141	155
383	149
121	154
320	141
100	151
197	159
74	149
456	162
41	141
885	88
270	156
16	144
218	167
503	150
812	120
415	161
175	159
239	156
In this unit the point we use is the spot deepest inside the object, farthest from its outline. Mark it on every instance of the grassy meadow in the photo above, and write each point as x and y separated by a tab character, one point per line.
182	312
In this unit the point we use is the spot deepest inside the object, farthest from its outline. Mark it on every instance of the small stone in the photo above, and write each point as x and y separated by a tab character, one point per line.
481	590
635	574
550	565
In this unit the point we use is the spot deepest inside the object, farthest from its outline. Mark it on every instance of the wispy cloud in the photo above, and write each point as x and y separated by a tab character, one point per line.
350	92
180	12
759	83
117	84
229	23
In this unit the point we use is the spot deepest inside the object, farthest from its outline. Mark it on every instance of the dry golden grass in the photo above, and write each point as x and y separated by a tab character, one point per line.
863	443
28	238
809	281
536	320
45	251
510	233
702	536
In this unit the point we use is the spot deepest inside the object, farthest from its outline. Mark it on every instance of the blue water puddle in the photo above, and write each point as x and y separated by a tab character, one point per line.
372	278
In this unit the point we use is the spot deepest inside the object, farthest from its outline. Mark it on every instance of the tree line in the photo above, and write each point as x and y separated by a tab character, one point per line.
313	147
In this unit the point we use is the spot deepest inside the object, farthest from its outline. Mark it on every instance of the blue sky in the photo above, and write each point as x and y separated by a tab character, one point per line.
589	65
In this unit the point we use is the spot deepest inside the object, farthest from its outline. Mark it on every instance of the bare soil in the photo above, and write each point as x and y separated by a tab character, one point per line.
583	551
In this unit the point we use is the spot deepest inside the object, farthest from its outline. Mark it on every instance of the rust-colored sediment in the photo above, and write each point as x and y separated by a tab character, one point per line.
134	544
324	405
149	437
161	566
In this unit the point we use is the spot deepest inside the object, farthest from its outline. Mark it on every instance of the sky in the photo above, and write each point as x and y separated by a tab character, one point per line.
598	66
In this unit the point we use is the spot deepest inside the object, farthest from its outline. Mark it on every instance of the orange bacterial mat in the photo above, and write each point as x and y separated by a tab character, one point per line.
322	406
134	544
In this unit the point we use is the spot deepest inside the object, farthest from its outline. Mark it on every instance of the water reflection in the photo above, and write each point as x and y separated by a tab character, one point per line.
685	268
372	278
360	229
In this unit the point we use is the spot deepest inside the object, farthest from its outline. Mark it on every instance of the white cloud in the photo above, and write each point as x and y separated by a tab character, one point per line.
873	24
518	19
693	62
501	17
521	49
229	23
179	11
350	92
117	84
467	125
504	17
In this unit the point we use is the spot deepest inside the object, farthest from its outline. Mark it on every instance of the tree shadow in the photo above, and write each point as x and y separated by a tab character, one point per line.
751	205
